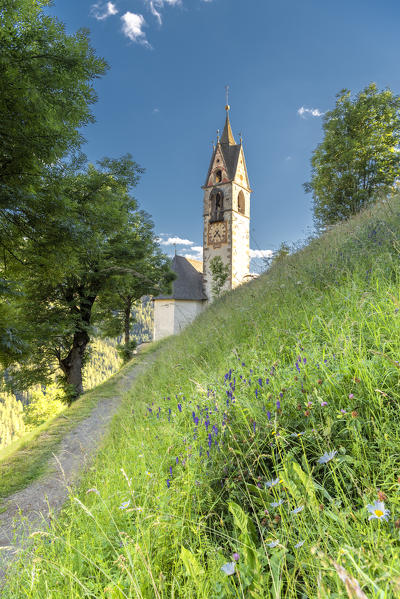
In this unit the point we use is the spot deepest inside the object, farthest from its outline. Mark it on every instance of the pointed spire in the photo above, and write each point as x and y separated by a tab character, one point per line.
227	135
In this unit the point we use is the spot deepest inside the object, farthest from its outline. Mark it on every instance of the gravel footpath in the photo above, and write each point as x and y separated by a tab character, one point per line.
31	507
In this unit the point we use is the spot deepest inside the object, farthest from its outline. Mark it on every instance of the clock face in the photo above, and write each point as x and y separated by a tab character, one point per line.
217	233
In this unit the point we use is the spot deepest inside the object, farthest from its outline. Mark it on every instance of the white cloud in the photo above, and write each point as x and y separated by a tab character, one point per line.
103	10
197	253
156	110
156	7
175	241
261	253
198	257
132	27
304	112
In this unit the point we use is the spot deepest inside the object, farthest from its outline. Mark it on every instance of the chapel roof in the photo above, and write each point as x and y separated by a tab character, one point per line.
188	284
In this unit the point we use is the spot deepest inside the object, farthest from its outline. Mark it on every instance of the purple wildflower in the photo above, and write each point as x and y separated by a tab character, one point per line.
170	470
168	483
269	415
179	407
260	382
278	405
235	557
324	403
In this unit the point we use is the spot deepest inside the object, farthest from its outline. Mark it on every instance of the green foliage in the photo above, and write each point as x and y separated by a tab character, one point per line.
103	361
126	351
219	273
43	403
359	155
11	344
46	78
142	320
11	419
152	275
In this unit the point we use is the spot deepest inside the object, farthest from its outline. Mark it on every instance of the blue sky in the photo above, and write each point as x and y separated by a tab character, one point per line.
163	98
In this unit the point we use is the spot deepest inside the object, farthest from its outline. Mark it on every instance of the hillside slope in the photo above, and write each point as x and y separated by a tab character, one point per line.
243	463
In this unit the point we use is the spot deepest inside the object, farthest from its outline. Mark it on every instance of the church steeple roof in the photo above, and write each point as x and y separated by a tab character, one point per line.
227	135
226	156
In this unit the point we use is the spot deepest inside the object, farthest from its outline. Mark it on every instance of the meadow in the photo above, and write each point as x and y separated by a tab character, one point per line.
259	457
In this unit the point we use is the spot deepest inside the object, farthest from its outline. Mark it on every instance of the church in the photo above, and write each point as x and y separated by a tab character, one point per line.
226	228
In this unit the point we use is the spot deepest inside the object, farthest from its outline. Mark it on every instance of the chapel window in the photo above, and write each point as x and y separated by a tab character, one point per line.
217	207
241	202
218	176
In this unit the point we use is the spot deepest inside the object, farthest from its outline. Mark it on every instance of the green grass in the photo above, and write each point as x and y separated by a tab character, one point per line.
157	516
27	458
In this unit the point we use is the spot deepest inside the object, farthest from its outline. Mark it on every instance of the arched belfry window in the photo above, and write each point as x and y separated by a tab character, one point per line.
218	176
241	202
216	205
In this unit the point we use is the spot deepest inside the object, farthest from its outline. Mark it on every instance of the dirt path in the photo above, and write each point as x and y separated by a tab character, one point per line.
30	507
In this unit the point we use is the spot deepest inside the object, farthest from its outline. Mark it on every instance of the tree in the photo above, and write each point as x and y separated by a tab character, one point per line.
281	253
46	83
89	241
359	155
219	274
117	303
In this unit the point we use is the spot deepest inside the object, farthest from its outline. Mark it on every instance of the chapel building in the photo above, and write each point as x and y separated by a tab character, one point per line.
226	227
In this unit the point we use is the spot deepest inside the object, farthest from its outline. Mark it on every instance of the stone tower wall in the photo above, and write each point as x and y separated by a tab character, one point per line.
235	253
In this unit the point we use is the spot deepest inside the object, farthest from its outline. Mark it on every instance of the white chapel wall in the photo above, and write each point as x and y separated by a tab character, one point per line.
185	312
164	325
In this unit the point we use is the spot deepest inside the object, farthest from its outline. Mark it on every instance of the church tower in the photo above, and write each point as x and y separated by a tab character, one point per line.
226	212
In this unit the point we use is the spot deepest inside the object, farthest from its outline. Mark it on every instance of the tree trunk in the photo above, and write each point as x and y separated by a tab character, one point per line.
127	321
72	364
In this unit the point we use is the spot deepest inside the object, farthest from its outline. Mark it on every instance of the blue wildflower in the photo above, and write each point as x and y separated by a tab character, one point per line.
229	568
327	457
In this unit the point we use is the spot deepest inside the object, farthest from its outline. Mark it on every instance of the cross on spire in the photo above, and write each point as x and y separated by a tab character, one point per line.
227	97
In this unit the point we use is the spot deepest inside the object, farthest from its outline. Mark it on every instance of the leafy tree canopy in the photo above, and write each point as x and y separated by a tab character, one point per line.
46	82
359	155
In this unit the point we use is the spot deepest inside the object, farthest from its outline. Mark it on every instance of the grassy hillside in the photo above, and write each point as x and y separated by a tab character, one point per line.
215	458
